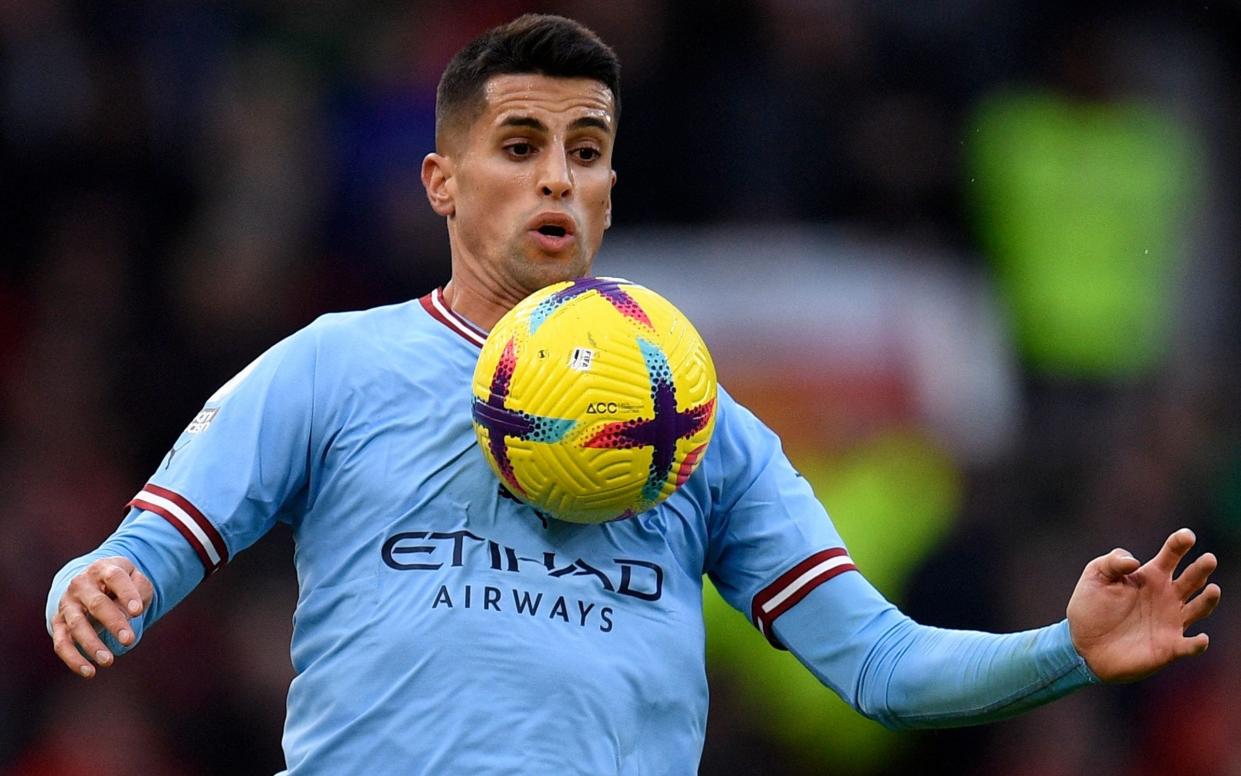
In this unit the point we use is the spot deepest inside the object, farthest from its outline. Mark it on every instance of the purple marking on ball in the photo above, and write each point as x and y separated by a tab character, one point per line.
502	422
609	288
661	431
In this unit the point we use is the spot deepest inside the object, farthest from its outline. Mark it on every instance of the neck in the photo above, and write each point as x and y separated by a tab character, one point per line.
482	311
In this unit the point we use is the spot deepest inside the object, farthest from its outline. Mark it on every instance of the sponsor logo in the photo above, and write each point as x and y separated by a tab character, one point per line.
610	407
436	550
581	359
202	420
172	452
198	425
489	598
433	552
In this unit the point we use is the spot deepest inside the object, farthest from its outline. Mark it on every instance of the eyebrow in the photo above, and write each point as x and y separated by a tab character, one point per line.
591	121
533	123
524	121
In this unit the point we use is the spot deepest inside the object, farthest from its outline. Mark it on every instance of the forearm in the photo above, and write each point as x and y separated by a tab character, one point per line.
162	555
906	675
921	677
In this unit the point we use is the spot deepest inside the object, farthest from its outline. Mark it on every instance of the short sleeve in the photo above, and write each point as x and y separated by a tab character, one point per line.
771	541
242	457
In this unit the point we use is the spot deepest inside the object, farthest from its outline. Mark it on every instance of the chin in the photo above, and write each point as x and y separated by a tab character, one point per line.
540	273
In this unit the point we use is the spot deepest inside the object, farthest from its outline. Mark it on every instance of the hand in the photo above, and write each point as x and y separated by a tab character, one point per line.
1128	620
95	597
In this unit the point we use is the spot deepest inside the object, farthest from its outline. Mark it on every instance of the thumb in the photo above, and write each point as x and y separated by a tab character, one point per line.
1117	564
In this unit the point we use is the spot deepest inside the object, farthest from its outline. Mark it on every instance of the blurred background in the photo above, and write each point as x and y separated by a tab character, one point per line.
975	261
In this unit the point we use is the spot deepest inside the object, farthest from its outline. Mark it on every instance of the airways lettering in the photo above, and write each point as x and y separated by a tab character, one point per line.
525	604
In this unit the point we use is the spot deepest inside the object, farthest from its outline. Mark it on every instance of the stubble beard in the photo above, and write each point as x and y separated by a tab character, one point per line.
533	273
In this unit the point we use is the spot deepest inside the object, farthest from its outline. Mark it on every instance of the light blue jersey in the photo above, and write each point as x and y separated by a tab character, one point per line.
442	627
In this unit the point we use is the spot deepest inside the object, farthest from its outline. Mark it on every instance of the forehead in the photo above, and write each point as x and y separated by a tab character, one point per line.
553	100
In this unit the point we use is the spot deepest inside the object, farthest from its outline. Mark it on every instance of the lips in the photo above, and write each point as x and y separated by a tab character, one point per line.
552	231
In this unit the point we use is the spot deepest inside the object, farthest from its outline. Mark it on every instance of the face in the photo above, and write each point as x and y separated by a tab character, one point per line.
527	189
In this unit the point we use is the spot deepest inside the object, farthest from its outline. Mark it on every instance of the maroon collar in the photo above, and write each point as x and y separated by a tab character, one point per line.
435	306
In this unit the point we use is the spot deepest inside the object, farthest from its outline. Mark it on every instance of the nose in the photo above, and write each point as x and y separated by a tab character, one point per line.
556	176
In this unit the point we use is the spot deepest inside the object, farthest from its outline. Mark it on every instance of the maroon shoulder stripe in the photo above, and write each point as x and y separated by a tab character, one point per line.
189	522
794	585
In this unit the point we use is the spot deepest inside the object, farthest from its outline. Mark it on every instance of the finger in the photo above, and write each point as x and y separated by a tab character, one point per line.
1173	550
1201	606
108	614
1193	645
67	651
83	633
1195	575
123	587
146	591
1117	564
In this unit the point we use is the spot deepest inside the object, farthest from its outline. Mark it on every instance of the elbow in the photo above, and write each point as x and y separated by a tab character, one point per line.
884	693
882	713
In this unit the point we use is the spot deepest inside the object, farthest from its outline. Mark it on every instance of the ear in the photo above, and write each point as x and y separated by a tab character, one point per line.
438	181
607	212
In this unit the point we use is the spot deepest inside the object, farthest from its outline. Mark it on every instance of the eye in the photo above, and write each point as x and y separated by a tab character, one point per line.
587	153
519	150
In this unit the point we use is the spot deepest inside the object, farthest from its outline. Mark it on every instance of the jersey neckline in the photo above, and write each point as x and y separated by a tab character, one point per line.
435	306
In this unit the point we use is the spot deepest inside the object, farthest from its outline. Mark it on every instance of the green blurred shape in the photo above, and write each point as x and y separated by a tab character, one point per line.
1081	206
892	500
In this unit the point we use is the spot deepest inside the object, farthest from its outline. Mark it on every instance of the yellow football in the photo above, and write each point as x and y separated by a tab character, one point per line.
594	399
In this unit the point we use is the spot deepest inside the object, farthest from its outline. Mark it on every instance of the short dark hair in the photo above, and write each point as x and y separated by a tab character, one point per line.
541	44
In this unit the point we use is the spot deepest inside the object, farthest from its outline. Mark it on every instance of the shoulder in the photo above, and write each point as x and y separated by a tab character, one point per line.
336	348
359	336
399	343
741	452
382	323
737	429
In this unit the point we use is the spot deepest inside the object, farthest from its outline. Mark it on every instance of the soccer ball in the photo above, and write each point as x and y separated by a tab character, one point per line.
594	399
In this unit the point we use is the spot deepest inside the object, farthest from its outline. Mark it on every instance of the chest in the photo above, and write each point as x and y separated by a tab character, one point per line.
404	494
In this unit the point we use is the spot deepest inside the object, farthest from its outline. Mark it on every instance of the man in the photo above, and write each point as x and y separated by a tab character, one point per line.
444	628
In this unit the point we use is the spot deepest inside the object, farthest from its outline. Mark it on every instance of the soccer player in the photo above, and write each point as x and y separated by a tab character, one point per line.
442	627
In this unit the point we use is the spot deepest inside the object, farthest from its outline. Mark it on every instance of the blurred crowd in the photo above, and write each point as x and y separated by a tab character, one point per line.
184	182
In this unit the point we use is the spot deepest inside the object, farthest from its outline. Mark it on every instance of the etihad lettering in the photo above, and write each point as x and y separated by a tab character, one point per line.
435	550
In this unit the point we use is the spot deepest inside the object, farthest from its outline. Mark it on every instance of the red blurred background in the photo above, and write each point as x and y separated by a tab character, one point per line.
976	261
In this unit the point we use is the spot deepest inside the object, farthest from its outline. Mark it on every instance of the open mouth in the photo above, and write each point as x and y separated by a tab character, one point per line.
552	231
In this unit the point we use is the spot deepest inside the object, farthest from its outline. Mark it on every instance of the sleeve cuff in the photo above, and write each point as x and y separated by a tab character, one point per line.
1080	674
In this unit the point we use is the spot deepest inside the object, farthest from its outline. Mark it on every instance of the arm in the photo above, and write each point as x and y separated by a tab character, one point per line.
776	556
221	487
1124	622
906	675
